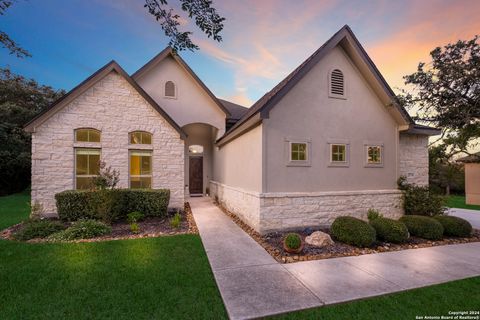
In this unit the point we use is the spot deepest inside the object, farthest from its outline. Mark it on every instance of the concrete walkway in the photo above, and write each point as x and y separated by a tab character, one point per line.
253	284
473	216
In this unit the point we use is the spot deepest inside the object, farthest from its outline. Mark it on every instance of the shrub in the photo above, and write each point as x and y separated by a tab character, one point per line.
134	227
353	231
423	227
420	200
293	241
38	229
390	230
455	226
373	214
135	216
111	204
82	229
176	221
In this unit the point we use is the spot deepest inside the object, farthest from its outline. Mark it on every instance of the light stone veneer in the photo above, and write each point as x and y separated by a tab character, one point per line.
115	108
414	158
267	212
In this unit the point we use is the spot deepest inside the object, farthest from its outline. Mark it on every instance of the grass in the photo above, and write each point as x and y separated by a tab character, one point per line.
14	208
462	295
454	201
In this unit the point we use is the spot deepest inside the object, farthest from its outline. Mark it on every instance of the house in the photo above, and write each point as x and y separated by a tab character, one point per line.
328	140
472	178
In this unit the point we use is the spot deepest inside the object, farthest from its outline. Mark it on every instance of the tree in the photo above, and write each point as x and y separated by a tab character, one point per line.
5	40
20	100
446	93
206	18
444	175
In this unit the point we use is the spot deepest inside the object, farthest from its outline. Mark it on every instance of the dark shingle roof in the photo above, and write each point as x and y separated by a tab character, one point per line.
470	158
236	111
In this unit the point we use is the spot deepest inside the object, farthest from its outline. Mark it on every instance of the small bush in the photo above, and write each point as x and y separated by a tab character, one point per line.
82	229
135	216
134	227
176	221
293	241
373	214
423	227
420	200
353	231
455	226
38	229
111	204
390	230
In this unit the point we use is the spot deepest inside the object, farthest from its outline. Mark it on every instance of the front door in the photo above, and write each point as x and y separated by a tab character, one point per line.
196	175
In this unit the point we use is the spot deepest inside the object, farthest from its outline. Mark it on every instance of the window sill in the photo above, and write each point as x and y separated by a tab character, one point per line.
140	147
94	145
373	165
337	97
172	98
299	164
339	164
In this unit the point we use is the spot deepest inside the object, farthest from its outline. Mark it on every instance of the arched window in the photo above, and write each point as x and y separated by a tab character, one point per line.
336	84
87	135
140	137
170	90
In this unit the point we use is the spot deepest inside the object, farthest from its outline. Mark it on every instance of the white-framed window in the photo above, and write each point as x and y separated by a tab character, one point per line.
336	84
140	164
297	152
373	154
170	89
338	153
140	137
87	135
87	166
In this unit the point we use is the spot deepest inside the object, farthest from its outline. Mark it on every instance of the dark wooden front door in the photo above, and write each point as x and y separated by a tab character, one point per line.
196	175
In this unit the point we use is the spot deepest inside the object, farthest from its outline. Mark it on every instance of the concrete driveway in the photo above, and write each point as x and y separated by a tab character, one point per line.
473	216
252	284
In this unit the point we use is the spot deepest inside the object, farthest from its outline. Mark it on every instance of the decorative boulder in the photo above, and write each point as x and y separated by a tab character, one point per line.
319	239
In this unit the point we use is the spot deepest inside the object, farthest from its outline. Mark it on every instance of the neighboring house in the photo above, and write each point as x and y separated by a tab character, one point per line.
472	178
328	140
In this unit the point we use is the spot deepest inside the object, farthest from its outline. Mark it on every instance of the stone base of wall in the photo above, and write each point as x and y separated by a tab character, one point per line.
268	212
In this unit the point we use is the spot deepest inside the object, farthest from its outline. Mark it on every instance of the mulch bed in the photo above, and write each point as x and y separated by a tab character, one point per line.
149	227
273	244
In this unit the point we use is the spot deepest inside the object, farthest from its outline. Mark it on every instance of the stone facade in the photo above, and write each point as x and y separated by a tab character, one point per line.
115	108
269	212
414	158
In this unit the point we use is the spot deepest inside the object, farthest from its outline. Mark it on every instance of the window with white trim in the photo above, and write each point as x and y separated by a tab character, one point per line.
298	151
140	169
336	84
338	153
373	155
87	135
140	137
170	89
87	166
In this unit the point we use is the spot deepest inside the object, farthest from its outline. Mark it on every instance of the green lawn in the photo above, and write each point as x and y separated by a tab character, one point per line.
454	201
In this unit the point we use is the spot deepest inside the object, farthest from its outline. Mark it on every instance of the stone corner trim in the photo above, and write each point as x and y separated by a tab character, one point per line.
268	212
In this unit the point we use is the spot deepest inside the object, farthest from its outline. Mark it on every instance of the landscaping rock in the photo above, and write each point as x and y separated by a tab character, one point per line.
319	239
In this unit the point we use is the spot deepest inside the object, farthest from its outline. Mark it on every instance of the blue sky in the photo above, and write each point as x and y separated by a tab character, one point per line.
263	40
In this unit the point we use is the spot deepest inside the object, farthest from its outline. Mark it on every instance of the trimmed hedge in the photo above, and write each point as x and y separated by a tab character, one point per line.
353	231
455	226
423	227
390	230
111	204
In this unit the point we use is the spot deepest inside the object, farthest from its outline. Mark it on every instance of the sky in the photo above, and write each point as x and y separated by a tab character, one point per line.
263	40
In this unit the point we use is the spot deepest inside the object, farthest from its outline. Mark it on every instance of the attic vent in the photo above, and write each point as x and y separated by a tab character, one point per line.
337	84
170	89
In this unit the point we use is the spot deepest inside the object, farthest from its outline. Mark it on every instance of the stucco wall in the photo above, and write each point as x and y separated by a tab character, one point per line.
192	104
115	108
307	112
239	163
472	183
414	158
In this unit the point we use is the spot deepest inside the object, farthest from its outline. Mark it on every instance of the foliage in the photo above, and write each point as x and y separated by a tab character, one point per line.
135	216
111	204
176	221
353	231
455	226
443	174
390	230
106	178
446	92
206	18
420	200
423	227
293	241
38	229
134	227
37	210
5	40
20	100
82	229
373	214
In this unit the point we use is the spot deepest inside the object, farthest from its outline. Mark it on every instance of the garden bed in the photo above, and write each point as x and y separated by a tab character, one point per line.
273	244
148	228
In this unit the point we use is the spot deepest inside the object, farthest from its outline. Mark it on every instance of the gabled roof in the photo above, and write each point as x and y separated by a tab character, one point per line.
237	111
422	130
344	35
88	83
169	52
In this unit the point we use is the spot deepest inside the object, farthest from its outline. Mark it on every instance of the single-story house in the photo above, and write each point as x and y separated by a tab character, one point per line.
330	139
472	178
